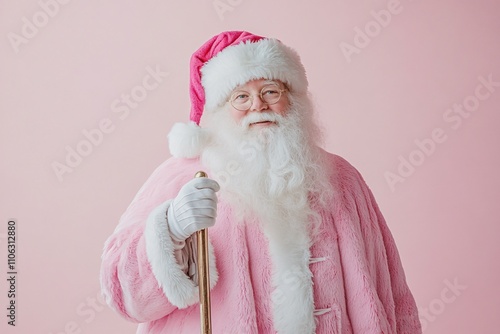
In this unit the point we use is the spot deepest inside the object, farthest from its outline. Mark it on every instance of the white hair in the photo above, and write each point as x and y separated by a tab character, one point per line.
274	174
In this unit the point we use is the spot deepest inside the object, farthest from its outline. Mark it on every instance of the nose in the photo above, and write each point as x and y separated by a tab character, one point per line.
258	104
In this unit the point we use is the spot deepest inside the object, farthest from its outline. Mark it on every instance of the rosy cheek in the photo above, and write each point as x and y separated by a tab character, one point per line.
282	108
237	115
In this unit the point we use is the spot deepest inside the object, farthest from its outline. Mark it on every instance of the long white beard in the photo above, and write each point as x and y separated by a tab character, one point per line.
274	174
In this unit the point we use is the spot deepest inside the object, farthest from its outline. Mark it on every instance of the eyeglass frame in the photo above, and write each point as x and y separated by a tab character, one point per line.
260	95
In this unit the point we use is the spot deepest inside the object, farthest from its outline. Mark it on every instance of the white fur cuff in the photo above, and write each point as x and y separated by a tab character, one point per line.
176	285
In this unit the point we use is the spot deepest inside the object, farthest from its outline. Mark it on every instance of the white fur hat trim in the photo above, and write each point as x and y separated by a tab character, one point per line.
238	64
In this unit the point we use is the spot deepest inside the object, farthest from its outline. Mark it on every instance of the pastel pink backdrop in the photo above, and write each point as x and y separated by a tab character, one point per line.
373	105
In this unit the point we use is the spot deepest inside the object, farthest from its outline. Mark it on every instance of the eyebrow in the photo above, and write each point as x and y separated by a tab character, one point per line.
267	82
272	82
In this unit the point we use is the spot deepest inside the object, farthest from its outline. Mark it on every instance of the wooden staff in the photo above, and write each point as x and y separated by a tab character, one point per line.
203	275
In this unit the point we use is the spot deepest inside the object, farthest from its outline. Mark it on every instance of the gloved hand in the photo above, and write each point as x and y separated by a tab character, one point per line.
193	209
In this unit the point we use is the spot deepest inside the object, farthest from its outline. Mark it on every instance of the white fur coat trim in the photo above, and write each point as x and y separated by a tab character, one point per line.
238	64
178	288
292	297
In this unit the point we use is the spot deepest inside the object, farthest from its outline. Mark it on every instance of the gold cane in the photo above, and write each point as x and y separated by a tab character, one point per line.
203	276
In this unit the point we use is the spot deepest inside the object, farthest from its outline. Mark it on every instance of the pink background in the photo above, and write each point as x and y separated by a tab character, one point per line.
374	105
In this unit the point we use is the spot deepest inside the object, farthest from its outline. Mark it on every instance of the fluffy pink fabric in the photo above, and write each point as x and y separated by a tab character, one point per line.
357	278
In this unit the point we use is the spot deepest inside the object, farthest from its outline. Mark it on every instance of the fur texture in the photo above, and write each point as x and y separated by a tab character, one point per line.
186	140
178	288
238	64
347	279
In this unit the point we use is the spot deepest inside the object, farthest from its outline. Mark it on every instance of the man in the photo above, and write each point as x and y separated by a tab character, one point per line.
297	242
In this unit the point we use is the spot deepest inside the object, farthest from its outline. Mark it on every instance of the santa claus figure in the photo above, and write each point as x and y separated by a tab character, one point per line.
297	243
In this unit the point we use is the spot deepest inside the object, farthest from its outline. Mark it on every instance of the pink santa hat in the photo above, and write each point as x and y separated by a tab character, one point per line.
224	62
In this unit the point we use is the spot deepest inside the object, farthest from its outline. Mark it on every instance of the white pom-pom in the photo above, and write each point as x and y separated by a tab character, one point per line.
187	140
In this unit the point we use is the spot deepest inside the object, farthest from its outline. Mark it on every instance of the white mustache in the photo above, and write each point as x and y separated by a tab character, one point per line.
259	117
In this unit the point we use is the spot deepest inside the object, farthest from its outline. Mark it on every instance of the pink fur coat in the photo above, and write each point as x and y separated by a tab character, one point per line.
348	280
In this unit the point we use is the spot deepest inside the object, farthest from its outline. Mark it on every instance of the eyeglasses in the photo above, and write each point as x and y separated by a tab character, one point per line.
269	94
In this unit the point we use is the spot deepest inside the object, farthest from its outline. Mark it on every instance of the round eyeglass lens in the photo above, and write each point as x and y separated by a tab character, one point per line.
269	94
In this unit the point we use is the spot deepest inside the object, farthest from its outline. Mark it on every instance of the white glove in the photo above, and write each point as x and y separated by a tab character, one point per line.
193	209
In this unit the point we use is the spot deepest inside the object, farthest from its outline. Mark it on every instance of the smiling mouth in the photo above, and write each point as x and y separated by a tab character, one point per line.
262	122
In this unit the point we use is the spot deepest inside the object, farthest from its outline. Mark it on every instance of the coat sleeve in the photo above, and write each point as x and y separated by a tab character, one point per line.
374	252
405	308
140	277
